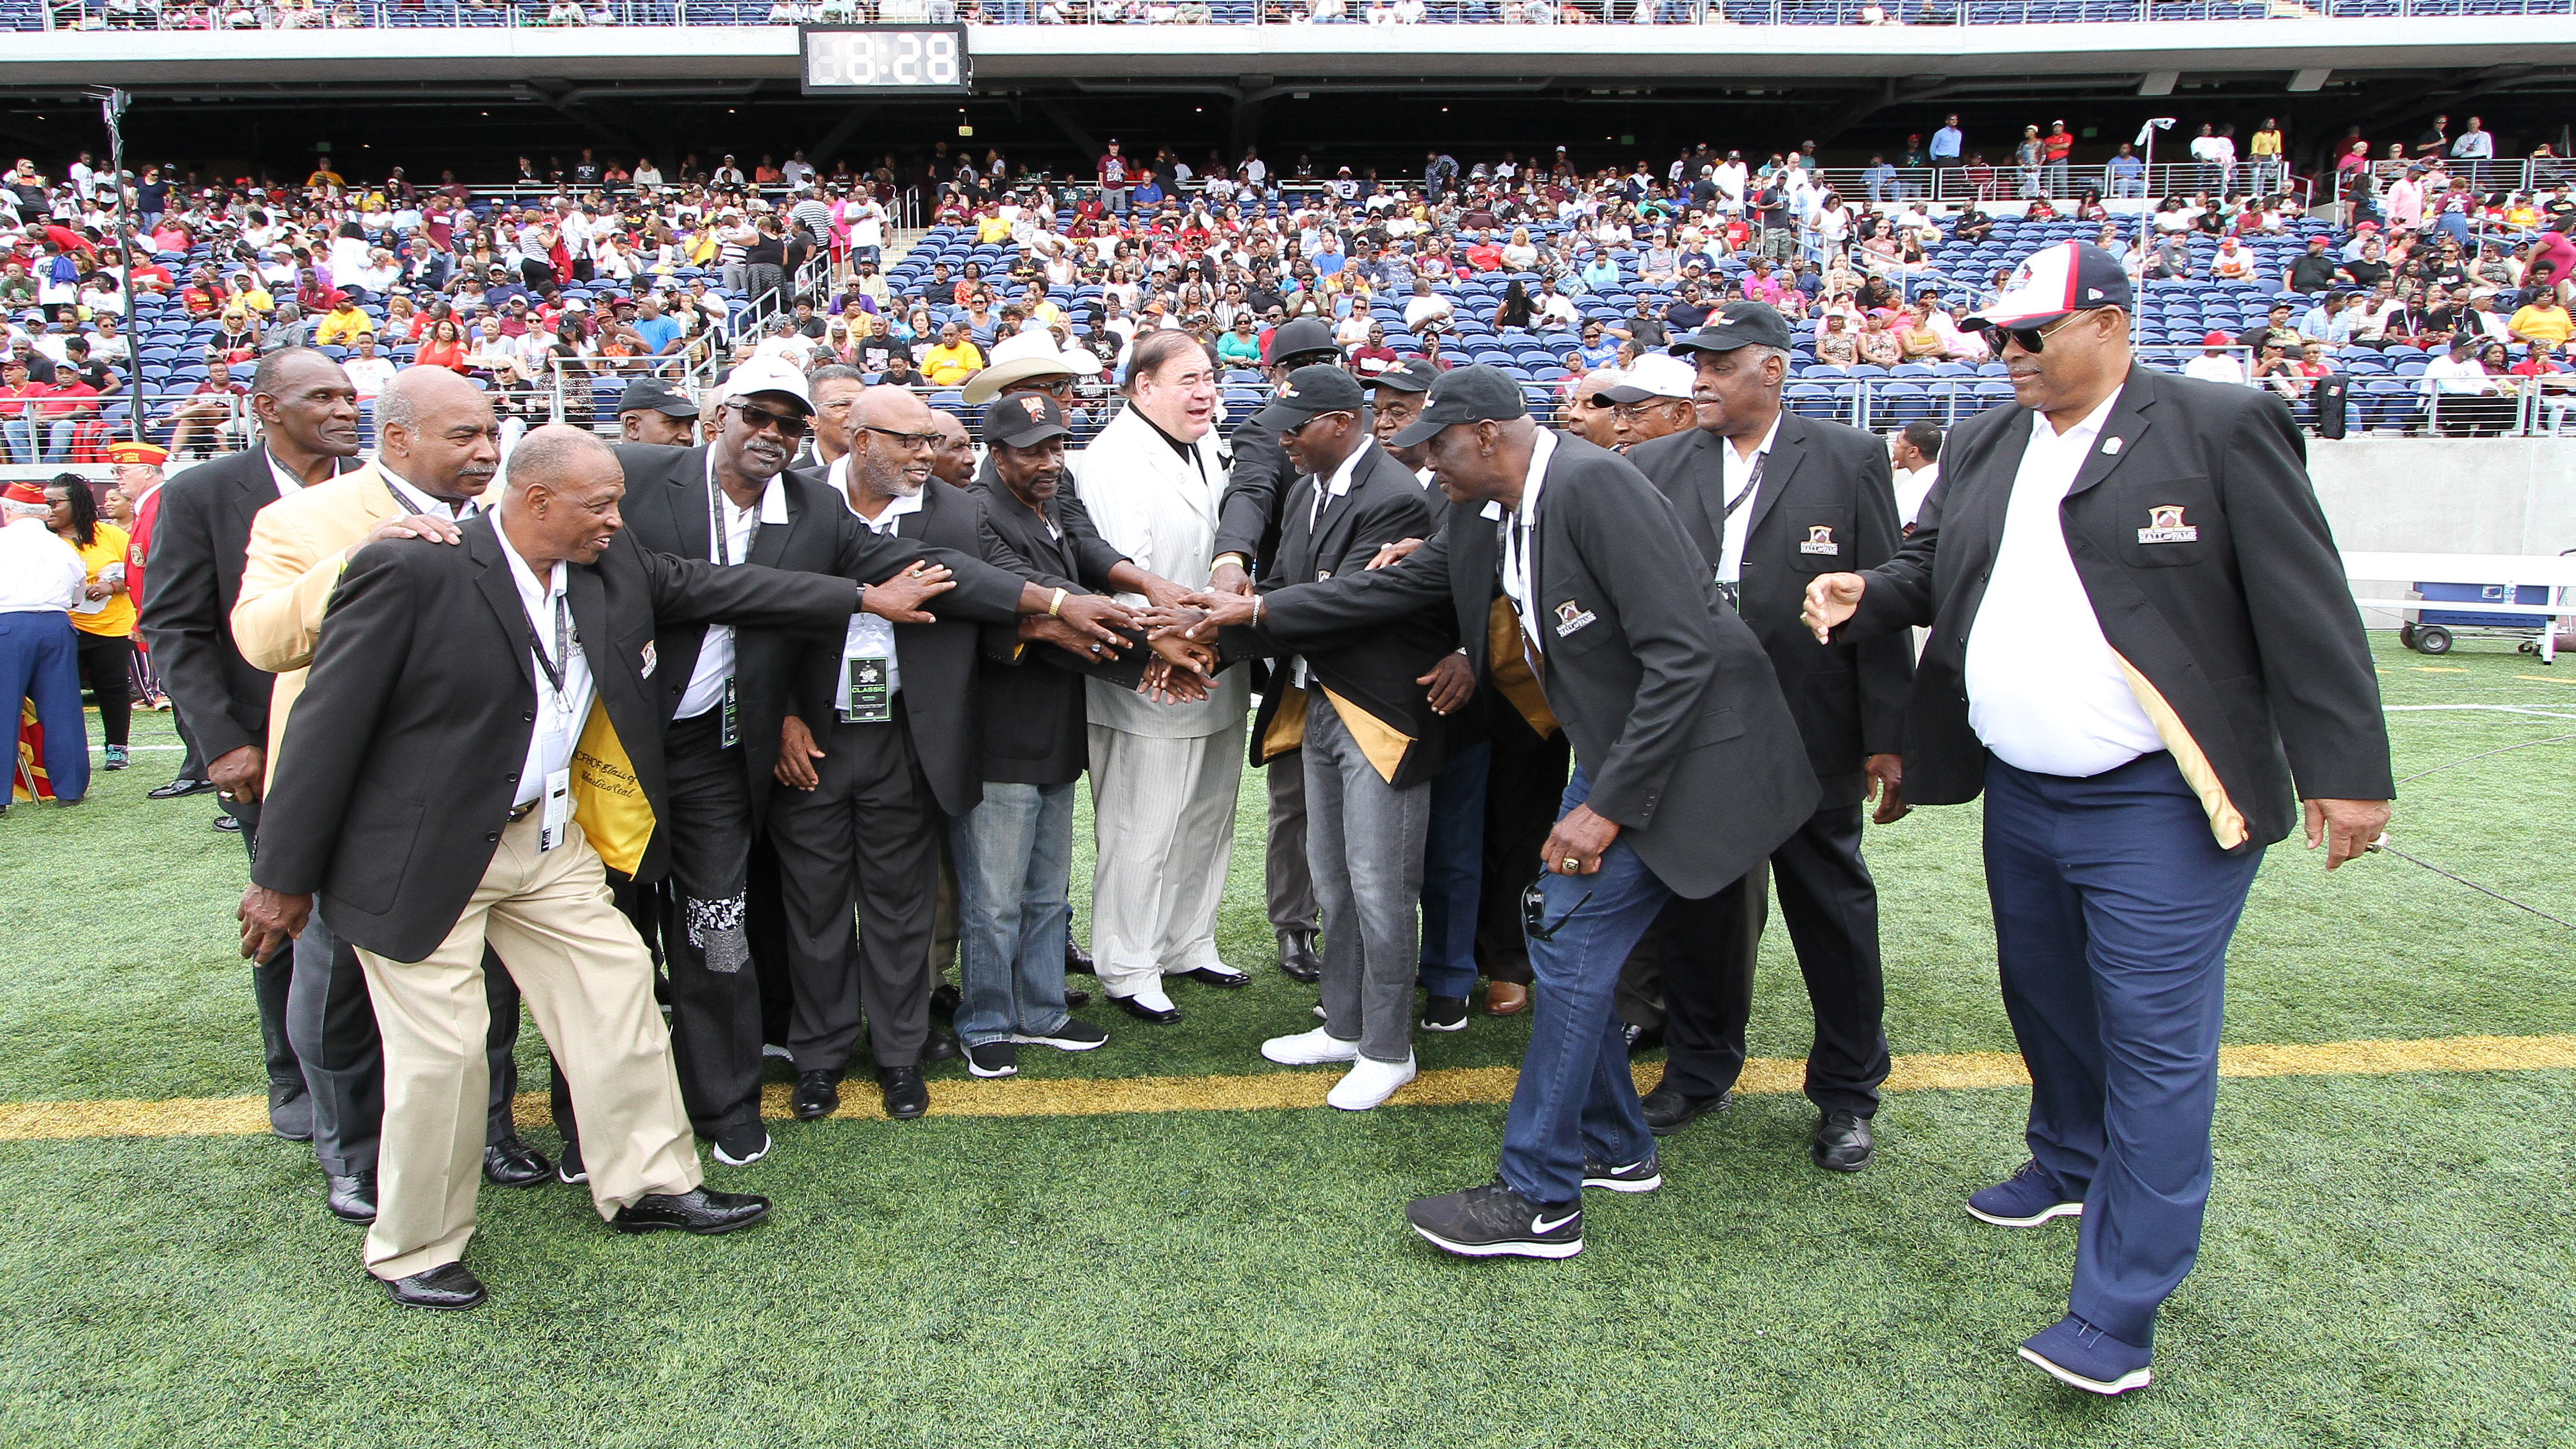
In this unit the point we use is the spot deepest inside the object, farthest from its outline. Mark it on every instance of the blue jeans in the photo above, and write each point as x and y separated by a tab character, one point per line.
1453	872
39	661
1575	1098
57	437
1014	856
2113	908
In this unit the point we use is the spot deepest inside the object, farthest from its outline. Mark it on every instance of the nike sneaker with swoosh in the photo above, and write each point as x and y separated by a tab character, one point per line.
1494	1221
1643	1176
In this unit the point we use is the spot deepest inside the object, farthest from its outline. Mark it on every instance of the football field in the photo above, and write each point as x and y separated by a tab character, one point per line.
1170	1241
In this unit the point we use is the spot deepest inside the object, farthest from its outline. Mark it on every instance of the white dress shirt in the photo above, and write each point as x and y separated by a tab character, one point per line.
39	573
1912	488
561	712
2045	692
869	636
715	651
1520	534
1734	475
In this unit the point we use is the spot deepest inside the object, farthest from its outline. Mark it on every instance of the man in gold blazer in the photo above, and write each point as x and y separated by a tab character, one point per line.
438	448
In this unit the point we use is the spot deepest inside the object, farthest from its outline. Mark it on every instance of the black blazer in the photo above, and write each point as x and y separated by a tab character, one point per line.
2248	631
1374	665
1672	707
199	545
1257	475
1827	504
403	755
1030	696
936	663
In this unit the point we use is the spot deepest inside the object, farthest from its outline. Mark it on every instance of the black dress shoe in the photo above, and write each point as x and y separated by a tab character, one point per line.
1297	957
945	999
230	826
449	1286
1643	1039
290	1110
1077	960
700	1210
939	1046
1076	996
1226	977
177	788
1843	1142
513	1163
906	1095
1142	1012
1668	1111
352	1199
818	1094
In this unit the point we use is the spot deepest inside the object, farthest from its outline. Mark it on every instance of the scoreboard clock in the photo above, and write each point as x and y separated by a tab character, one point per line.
892	60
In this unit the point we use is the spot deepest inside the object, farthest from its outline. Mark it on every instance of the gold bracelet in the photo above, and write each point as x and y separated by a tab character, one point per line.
1055	606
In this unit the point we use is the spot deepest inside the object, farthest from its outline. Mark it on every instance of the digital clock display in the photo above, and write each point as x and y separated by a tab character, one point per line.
886	59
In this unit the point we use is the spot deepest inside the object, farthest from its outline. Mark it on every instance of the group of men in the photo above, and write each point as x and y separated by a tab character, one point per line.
757	698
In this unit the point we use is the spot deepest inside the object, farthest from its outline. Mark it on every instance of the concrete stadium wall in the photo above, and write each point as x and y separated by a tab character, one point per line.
2444	495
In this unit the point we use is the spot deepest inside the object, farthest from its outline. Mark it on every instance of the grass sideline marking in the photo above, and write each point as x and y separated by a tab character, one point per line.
1289	1091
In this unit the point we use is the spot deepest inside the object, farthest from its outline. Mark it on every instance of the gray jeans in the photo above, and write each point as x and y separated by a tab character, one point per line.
1364	843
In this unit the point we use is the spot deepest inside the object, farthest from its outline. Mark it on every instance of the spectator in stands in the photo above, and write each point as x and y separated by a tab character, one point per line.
1878	346
2544	319
2231	263
1835	343
445	347
368	372
2055	149
2216	363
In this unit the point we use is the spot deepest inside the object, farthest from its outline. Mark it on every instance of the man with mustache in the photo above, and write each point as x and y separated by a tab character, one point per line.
439	449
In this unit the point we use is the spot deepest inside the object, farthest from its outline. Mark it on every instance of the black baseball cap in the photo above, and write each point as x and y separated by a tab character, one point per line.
1023	420
650	396
1323	388
1414	375
1302	336
1737	324
1466	395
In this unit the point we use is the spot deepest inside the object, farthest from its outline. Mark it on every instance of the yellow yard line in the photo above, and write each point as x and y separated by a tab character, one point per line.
1284	1091
2546	678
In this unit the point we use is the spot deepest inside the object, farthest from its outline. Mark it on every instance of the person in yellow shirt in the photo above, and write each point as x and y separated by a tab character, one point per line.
953	359
1037	305
991	229
343	324
249	291
104	619
2542	321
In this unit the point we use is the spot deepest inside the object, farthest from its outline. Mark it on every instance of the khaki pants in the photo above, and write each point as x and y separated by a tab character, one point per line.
589	983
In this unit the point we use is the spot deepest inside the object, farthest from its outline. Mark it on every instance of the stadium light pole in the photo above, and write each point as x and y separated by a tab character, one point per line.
2146	138
111	104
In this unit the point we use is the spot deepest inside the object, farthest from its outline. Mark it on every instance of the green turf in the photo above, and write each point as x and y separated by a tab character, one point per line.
2387	1260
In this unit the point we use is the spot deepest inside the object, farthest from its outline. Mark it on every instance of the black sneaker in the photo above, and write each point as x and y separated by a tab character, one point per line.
1073	1036
568	1168
177	788
993	1059
1494	1221
742	1146
945	999
1643	1176
1445	1013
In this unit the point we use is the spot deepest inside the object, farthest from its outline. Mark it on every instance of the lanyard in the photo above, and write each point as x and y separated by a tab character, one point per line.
557	667
718	542
1752	481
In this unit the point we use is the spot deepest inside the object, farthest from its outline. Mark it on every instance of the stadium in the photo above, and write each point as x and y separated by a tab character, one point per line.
575	205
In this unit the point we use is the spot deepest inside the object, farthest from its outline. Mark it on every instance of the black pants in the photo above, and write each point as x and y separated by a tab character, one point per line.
1523	788
332	1022
106	665
863	835
270	980
1707	969
715	993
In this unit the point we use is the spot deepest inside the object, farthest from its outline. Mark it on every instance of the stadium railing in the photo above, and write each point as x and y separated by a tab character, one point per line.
408	14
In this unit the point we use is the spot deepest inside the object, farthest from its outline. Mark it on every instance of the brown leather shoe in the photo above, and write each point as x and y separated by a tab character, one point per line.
1506	998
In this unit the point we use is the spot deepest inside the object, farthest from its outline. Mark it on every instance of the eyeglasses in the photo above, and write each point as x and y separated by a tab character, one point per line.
908	442
2031	339
1534	913
787	425
1638	412
1311	420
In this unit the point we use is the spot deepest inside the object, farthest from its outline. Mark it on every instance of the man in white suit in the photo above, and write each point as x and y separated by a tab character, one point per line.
1163	775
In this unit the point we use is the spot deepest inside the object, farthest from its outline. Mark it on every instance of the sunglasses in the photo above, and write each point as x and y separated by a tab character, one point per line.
1534	913
2031	339
787	425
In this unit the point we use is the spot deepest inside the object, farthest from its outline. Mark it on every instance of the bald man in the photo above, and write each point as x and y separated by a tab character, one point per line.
1587	415
493	656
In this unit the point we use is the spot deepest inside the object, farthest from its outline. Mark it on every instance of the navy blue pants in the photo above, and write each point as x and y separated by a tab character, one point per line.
1575	1098
40	661
2113	907
1453	872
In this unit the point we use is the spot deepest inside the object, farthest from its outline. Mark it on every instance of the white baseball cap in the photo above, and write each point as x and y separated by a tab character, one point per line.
767	374
1655	375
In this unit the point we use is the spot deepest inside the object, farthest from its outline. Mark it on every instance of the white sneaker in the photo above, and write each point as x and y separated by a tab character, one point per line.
1369	1084
1309	1049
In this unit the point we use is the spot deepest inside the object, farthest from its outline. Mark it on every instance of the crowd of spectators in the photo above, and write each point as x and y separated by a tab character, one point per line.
596	272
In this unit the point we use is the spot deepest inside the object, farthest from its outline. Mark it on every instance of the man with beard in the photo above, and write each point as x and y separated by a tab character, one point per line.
890	716
439	449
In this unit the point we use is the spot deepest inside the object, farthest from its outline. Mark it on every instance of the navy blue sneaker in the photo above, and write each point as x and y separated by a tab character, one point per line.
2077	1354
2026	1199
